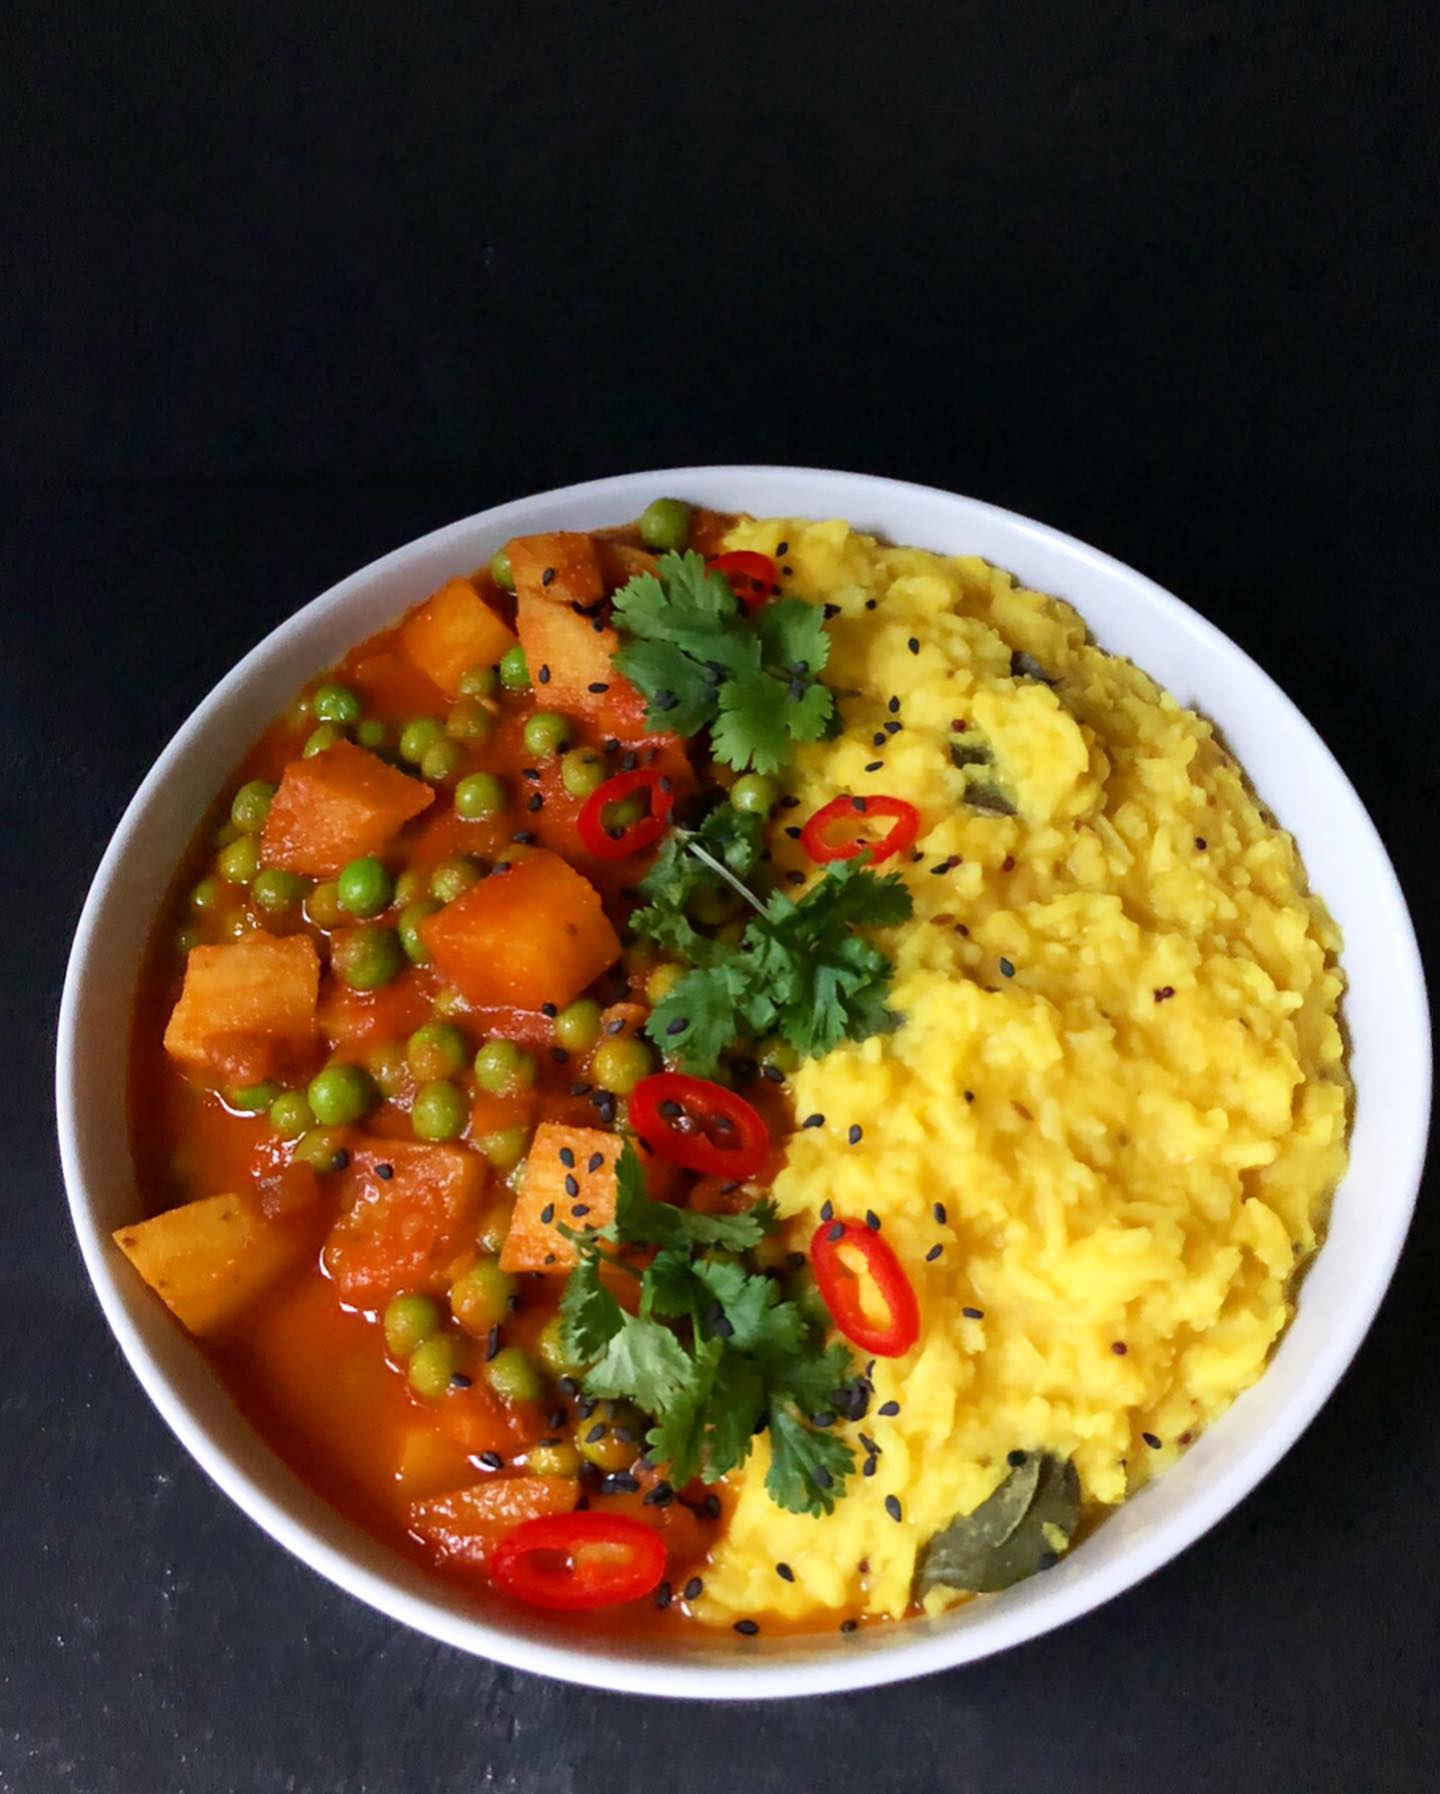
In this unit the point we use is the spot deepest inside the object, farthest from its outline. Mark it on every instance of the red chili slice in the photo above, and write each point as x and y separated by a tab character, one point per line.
753	577
634	837
568	1562
725	1134
843	1289
906	825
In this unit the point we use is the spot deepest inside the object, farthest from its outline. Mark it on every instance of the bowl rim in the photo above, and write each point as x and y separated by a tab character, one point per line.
758	1677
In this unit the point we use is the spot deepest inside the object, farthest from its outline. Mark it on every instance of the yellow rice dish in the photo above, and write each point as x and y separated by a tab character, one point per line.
1116	1102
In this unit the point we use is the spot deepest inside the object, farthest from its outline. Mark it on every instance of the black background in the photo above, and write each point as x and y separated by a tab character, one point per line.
286	286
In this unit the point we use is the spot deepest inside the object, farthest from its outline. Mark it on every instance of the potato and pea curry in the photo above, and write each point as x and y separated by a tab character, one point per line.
723	1073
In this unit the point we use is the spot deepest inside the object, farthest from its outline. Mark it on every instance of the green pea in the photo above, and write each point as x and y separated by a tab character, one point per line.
481	1298
469	720
478	682
291	1115
411	885
441	761
449	1001
226	833
755	794
504	1149
253	1098
251	806
779	1056
407	926
205	896
341	1095
366	958
554	1350
478	796
373	734
326	736
511	1373
559	1459
452	878
390	1069
240	861
320	1147
546	732
617	1447
323	907
660	982
624	811
503	1069
619	1065
365	888
436	1050
186	939
438	1111
409	1320
577	1027
235	923
582	771
432	1365
500	570
665	524
276	891
300	713
514	669
336	704
494	1226
711	904
419	733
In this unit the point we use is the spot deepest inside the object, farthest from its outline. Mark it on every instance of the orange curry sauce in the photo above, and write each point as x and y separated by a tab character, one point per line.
309	1370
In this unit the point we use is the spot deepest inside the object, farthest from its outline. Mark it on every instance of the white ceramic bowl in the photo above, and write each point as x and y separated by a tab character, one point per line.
1385	1012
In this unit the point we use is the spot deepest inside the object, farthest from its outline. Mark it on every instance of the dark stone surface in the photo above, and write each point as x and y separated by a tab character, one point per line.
287	286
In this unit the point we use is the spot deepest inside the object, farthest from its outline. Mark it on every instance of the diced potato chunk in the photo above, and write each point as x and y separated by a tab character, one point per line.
575	652
466	1526
561	568
453	631
209	1260
430	1462
533	935
405	1231
560	1159
247	1008
338	806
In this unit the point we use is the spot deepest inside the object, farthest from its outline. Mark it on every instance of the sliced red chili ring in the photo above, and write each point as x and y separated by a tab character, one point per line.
634	837
753	577
905	825
843	1290
699	1125
568	1562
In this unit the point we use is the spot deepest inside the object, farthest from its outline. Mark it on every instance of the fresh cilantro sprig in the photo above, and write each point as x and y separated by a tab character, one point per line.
713	1352
728	844
800	970
702	662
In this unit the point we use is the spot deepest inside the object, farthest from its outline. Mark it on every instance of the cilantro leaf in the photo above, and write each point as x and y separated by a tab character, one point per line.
678	1437
751	1307
735	838
808	1466
640	1220
701	660
707	1002
589	1315
645	1362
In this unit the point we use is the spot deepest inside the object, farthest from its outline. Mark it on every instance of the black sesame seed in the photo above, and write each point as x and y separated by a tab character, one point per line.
872	1220
913	644
547	1214
679	1025
543	675
664	1595
855	1133
492	1343
1119	1348
1151	1441
871	1447
1006	969
530	772
849	1626
567	1157
784	1572
596	1433
535	802
458	1380
813	1121
893	728
547	576
340	1160
772	1073
794	878
522	838
492	1460
559	1055
892	1506
1201	843
619	1482
933	1254
580	1210
1165	992
746	1628
597	685
617	1026
827	1211
969	1095
693	1589
868	1467
1047	1560
580	1089
878	739
939	1212
595	1161
385	1171
889	1409
874	765
781	550
973	1314
831	610
1015	1459
572	1185
837	1232
660	1496
710	1508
